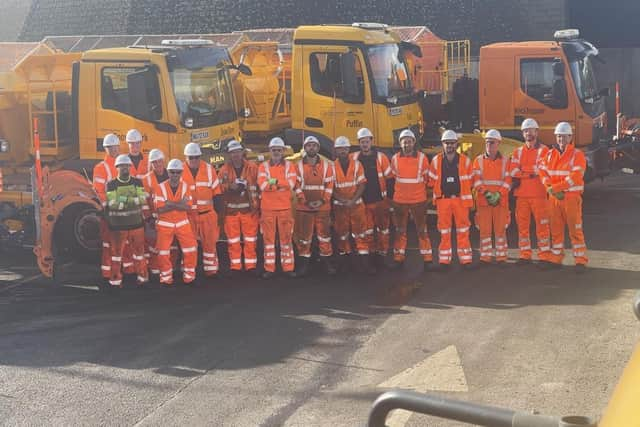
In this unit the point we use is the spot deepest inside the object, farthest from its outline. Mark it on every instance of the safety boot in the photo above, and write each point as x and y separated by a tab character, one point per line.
328	266
302	267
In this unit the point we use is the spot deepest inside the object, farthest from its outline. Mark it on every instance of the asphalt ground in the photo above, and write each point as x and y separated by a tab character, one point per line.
317	351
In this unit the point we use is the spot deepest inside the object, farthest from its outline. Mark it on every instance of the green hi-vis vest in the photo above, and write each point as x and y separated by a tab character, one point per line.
124	204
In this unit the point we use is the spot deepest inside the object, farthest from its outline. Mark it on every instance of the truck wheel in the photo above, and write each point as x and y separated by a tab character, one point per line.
77	233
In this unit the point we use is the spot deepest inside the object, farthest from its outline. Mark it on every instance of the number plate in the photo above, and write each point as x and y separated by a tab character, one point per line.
395	111
199	136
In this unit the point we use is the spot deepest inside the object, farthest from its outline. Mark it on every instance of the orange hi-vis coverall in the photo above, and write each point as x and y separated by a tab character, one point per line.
175	224
564	172
104	172
204	220
141	169
277	183
315	183
378	214
241	213
454	207
531	199
150	182
349	220
492	176
410	197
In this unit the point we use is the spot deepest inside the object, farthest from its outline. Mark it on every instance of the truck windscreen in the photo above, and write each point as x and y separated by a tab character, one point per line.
389	73
202	86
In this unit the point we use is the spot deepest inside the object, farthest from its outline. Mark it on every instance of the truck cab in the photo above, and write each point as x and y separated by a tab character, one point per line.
175	93
550	81
351	76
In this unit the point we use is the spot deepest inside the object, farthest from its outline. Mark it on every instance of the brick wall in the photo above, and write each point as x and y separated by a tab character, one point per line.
482	21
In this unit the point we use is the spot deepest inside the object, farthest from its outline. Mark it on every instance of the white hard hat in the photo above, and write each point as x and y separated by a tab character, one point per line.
110	140
276	142
192	149
309	139
175	165
364	133
134	136
563	128
342	142
407	133
123	159
493	134
233	145
449	135
529	124
155	154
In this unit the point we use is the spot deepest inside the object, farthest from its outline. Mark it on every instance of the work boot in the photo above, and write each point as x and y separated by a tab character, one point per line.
485	264
379	261
545	265
396	265
343	263
443	268
429	267
291	274
266	275
523	261
302	267
328	266
366	265
468	267
580	268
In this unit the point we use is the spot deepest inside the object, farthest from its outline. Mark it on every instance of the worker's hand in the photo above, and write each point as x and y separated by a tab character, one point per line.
559	195
273	181
550	191
515	183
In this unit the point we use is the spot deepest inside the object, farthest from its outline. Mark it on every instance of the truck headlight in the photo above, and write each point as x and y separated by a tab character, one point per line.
4	146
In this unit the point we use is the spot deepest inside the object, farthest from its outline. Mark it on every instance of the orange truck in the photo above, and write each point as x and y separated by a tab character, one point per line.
550	81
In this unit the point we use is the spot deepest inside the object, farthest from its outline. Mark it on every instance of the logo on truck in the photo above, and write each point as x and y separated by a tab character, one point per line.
355	123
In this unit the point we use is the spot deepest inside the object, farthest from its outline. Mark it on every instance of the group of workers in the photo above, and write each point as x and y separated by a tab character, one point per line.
153	210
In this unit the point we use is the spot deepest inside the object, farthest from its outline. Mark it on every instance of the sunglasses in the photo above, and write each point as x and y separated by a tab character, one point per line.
450	142
193	157
175	172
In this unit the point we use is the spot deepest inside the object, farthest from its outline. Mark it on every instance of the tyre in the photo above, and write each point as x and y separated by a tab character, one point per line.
77	233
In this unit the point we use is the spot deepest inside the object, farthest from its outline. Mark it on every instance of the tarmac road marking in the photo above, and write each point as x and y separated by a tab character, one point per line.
29	279
441	371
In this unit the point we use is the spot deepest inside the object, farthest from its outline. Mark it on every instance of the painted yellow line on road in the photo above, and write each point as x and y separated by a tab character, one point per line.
441	371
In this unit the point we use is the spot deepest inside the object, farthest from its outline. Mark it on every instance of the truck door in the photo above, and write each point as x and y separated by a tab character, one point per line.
335	101
130	96
543	93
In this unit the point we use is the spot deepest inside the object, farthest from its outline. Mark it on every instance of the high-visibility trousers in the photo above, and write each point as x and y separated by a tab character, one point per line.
280	222
305	224
151	251
378	219
493	221
539	208
448	210
567	213
105	236
205	228
401	213
242	228
188	244
351	221
134	240
128	264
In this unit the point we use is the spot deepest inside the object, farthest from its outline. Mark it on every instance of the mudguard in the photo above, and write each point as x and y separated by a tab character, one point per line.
60	189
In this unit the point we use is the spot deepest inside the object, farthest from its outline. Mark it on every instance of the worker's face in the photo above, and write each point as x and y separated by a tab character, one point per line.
530	135
123	171
193	161
450	146
174	176
276	154
236	156
312	149
563	141
491	145
365	144
134	147
408	144
113	151
342	152
158	166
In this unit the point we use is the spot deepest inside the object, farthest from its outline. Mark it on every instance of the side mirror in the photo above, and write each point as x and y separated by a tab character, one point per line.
144	94
350	87
558	68
244	69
